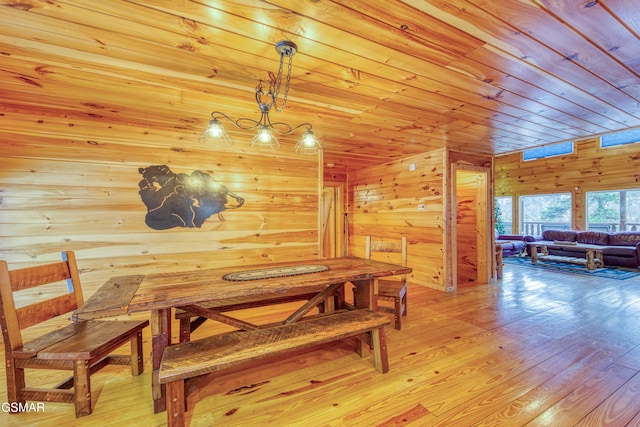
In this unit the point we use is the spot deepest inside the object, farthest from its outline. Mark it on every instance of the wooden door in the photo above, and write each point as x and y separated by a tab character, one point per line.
332	224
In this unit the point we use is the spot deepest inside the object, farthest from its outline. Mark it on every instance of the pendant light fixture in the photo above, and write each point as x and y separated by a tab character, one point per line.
266	137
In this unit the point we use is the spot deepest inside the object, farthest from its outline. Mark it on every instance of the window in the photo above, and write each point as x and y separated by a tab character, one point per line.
504	214
613	210
620	138
545	212
548	151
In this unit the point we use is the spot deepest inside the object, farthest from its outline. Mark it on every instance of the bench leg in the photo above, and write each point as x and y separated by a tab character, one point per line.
175	403
379	342
82	387
185	329
137	360
363	346
160	339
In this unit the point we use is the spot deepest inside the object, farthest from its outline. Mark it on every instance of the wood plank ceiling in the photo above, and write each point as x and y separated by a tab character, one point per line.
378	79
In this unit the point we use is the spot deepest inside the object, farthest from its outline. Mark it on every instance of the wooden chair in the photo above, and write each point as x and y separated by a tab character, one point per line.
394	289
82	347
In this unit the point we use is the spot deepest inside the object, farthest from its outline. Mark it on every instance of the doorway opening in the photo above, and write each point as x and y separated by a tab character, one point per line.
472	254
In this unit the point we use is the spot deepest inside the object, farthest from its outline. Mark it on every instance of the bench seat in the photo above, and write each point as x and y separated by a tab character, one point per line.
216	353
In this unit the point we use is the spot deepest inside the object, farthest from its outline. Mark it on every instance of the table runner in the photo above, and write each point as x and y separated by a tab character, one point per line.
272	272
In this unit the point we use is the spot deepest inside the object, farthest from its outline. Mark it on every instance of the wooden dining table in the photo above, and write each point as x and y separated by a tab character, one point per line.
159	293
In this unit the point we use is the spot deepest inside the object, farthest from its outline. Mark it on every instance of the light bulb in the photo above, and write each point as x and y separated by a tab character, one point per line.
264	135
215	128
264	139
309	140
215	134
308	144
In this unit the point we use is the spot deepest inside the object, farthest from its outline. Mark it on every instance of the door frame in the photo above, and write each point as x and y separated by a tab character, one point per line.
484	247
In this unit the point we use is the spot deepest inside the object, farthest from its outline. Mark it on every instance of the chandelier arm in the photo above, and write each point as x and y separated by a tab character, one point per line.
237	123
294	128
285	128
253	123
308	125
217	114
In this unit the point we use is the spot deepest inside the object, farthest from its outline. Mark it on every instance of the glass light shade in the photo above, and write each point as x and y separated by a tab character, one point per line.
308	144
215	134
265	139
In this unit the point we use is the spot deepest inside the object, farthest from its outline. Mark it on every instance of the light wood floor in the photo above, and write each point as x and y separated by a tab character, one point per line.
537	348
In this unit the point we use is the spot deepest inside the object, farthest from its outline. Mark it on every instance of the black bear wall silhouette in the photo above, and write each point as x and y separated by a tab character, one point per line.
181	200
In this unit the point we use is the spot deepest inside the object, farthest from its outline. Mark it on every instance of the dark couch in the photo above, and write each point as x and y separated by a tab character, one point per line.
513	244
618	249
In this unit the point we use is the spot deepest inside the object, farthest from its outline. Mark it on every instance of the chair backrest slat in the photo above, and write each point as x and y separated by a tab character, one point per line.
382	246
44	310
385	246
26	278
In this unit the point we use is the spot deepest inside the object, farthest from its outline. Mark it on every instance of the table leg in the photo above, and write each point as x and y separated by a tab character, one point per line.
160	339
367	293
591	265
534	254
599	258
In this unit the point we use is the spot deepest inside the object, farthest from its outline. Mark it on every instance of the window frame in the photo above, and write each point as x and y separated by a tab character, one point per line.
531	152
510	213
615	227
537	227
633	136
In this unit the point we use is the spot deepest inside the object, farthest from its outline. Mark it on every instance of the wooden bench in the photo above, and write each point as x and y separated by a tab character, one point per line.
189	360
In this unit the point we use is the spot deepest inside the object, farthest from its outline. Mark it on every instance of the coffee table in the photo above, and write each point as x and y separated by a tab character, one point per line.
592	259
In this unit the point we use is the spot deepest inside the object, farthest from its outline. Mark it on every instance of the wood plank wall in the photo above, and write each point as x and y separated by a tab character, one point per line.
590	168
383	202
60	191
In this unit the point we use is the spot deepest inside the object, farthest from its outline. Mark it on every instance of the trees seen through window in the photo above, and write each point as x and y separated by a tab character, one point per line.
613	210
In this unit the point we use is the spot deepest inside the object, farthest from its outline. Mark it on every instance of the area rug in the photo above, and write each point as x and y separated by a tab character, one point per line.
606	272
